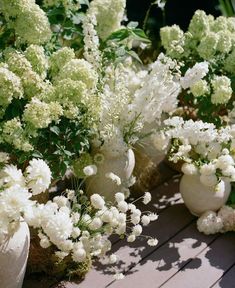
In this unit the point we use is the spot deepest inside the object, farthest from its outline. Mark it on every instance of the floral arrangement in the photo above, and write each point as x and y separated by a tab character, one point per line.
76	100
75	96
199	135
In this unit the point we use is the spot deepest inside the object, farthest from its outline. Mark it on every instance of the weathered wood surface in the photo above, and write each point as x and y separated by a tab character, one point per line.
183	258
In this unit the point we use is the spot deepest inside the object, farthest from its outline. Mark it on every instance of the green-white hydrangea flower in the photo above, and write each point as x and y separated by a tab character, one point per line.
222	90
10	87
59	58
172	40
200	24
14	134
225	42
79	70
229	63
41	114
200	88
36	56
208	46
17	62
32	83
30	21
220	24
70	90
109	15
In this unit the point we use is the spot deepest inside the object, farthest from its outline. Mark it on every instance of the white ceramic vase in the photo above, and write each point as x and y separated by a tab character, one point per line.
13	258
200	198
122	166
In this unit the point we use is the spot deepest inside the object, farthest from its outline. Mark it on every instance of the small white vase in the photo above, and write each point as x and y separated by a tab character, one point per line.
200	198
13	258
122	165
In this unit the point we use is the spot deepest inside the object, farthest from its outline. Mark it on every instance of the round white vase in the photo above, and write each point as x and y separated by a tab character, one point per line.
122	166
200	198
13	258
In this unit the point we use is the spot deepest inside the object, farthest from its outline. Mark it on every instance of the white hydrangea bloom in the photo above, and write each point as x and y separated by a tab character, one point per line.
31	23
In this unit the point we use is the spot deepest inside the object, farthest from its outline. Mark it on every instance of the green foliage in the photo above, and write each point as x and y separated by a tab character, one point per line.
227	7
231	200
122	41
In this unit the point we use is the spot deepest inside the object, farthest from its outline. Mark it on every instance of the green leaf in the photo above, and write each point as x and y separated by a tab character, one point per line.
23	157
119	35
141	34
134	55
37	154
68	153
55	130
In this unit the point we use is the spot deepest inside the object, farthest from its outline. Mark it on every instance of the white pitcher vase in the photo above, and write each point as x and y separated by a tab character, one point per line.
121	165
13	257
200	198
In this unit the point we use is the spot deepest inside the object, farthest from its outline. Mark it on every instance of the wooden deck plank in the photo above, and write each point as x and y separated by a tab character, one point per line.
167	260
227	280
171	221
207	267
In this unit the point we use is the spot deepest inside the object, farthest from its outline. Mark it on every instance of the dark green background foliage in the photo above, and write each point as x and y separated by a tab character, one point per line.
176	12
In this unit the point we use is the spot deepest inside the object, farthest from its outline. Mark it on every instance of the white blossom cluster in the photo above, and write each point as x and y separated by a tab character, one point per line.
16	189
159	91
135	97
81	229
205	150
108	14
70	222
222	221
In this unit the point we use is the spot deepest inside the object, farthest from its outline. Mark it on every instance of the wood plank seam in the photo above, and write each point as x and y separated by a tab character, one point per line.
217	281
